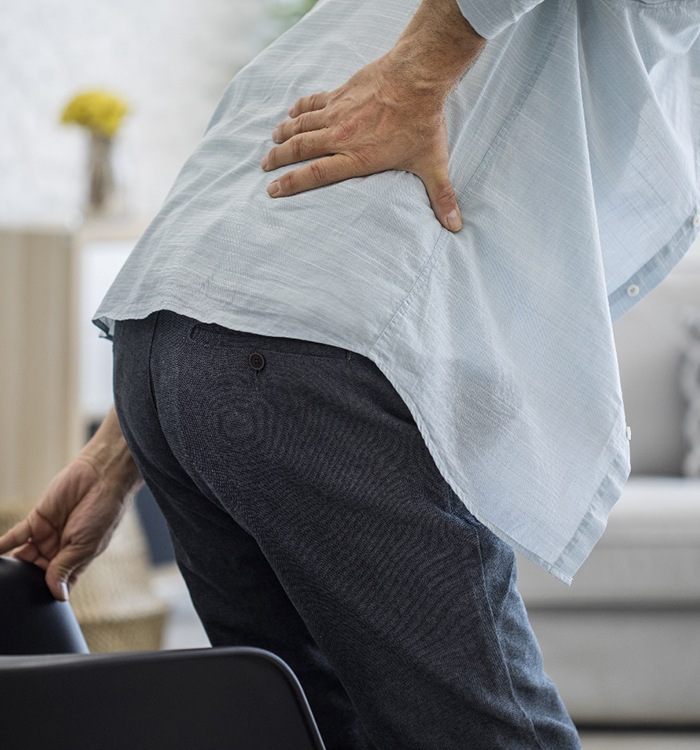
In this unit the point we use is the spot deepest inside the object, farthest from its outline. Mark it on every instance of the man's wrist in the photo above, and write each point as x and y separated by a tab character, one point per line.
108	452
437	47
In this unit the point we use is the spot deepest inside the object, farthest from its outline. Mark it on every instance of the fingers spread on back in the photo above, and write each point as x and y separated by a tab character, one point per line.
302	124
309	103
320	172
299	148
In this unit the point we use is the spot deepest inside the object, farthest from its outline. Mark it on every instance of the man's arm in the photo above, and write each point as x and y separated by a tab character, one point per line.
389	115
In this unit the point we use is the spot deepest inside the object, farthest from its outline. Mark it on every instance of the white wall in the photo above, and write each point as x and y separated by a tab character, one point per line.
170	58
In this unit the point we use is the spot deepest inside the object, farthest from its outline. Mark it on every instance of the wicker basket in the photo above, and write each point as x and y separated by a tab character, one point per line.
113	599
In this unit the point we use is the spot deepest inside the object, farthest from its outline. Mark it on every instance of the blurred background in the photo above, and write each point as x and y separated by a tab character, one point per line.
102	104
169	59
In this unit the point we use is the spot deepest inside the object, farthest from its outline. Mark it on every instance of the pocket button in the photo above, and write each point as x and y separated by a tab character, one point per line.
256	360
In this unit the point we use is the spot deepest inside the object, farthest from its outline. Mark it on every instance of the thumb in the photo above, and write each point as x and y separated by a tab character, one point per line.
60	571
443	199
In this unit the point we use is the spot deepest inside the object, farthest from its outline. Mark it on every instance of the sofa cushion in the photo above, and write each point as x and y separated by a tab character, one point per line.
650	340
648	556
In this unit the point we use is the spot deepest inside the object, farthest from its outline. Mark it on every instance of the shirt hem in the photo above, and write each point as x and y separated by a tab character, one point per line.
654	271
592	524
588	531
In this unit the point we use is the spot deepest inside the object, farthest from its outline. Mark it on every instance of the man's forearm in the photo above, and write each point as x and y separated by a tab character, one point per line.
437	46
108	451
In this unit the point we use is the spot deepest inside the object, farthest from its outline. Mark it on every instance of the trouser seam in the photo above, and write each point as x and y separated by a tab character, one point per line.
491	624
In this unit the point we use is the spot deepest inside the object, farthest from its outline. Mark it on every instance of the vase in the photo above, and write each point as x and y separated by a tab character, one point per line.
100	173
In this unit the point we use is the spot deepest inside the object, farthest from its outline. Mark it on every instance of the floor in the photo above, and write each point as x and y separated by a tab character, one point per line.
185	631
636	741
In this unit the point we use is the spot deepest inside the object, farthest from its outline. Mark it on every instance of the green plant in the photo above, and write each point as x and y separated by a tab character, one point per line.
288	12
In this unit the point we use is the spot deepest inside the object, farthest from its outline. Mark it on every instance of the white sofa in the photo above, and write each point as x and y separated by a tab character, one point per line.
623	642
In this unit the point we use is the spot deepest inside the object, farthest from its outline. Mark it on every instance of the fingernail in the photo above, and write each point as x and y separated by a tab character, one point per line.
290	111
273	188
276	135
454	222
64	590
264	162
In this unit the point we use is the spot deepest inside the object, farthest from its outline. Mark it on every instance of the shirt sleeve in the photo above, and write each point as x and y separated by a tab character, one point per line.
490	17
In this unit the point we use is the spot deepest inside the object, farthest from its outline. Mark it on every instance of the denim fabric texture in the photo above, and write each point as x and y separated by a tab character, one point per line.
309	519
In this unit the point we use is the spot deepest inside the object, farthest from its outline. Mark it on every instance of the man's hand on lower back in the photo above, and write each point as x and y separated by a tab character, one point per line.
389	115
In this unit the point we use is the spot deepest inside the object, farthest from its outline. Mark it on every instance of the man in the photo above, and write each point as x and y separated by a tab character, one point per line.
352	403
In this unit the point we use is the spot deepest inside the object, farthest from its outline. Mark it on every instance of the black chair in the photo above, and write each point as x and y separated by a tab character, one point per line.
235	698
31	620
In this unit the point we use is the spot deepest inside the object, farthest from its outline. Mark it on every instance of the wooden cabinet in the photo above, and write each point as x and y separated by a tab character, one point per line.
51	386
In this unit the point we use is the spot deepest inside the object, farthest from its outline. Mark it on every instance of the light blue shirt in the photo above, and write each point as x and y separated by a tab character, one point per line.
573	143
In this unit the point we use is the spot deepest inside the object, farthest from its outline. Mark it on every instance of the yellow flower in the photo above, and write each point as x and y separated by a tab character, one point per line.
99	111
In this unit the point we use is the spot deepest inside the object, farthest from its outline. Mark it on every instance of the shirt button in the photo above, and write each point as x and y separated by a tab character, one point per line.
628	432
696	220
632	290
256	360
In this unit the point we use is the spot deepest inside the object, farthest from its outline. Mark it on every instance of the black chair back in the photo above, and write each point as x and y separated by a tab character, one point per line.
31	620
234	698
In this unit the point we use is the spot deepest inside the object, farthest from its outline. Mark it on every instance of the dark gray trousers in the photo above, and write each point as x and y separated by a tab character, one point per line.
309	519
